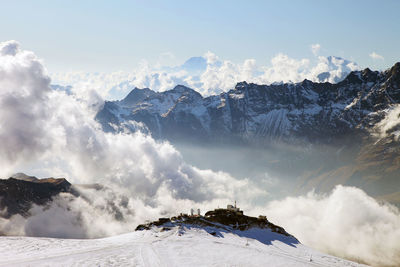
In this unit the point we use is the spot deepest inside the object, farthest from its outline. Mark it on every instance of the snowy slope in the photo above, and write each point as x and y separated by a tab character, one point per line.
180	246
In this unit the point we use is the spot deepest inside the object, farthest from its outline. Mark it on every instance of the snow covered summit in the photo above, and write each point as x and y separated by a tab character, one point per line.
219	221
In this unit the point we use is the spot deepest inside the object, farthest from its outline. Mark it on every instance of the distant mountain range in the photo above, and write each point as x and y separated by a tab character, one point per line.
313	112
354	116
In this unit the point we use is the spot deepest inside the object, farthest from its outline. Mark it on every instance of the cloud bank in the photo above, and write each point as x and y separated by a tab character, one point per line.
211	75
24	105
54	133
347	223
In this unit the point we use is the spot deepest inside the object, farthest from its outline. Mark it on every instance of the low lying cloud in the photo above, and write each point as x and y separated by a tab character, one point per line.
53	133
101	212
376	56
390	124
96	213
347	223
210	74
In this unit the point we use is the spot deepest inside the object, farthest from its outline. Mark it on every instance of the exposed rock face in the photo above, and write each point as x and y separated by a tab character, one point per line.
18	194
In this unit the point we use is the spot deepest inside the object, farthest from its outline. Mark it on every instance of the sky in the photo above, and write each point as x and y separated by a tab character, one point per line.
110	36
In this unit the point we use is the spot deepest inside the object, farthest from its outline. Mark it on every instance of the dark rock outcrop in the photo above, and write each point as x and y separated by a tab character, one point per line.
18	194
224	219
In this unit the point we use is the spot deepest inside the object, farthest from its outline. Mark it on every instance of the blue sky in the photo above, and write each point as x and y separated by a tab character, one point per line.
117	35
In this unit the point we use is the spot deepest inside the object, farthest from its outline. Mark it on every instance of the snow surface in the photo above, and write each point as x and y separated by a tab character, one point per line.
180	246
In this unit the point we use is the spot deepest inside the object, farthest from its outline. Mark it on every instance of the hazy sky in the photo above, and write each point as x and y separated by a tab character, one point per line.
117	35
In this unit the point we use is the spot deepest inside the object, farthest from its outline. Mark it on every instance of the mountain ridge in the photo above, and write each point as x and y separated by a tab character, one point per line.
347	126
19	192
251	111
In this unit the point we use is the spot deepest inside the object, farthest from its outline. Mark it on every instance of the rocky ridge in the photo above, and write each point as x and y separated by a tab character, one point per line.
20	192
214	221
301	112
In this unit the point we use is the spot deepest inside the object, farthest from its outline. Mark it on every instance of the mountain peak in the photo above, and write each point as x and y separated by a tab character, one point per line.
24	177
135	96
241	85
393	75
181	89
306	82
353	77
195	64
395	70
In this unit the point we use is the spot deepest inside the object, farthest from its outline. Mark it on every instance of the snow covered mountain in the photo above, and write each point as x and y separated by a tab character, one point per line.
179	241
306	111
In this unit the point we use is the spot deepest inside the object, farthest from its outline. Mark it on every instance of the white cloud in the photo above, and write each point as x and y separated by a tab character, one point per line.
51	130
331	69
315	49
214	76
285	69
347	223
211	58
390	124
376	56
9	48
24	89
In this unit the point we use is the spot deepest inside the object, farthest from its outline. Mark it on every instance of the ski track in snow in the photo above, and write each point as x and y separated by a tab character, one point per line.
177	247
